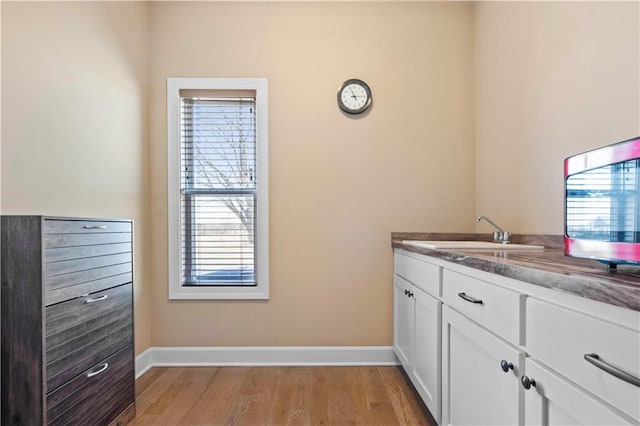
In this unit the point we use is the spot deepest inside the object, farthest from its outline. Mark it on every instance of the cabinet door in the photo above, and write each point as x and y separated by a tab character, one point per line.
402	321
426	350
552	400
475	389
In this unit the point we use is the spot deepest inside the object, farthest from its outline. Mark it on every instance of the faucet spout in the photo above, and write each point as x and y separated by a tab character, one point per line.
490	221
500	235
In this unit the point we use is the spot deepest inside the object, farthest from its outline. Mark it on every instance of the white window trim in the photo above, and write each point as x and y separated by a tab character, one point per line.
176	289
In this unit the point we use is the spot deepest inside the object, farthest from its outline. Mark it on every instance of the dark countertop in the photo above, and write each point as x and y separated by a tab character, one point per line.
548	268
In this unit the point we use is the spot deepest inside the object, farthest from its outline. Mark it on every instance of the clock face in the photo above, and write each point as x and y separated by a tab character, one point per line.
354	97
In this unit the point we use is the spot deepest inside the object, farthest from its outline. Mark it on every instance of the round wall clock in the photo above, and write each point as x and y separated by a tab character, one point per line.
354	96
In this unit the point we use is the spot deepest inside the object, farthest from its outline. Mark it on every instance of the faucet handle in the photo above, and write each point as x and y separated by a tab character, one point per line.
502	237
499	236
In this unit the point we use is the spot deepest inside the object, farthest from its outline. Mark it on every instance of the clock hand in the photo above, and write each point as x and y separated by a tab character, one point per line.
353	95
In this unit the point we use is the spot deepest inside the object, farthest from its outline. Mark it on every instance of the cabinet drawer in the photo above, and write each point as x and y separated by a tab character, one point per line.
494	307
82	252
76	290
424	275
51	269
95	399
70	272
61	226
82	240
55	282
85	330
554	401
561	338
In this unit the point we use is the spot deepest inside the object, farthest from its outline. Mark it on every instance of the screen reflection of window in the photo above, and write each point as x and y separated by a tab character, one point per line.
602	204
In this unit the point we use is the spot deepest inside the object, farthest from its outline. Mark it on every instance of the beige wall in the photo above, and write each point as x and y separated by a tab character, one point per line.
552	79
474	111
338	185
74	118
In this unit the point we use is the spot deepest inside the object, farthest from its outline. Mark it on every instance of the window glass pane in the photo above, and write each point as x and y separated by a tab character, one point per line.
219	149
219	239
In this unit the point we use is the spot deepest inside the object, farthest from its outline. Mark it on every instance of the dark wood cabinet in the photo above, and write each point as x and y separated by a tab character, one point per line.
67	321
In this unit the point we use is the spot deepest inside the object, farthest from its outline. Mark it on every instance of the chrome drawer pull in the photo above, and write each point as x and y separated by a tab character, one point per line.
469	298
101	370
614	371
96	299
95	227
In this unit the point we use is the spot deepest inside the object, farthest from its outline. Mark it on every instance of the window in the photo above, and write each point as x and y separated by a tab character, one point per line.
217	188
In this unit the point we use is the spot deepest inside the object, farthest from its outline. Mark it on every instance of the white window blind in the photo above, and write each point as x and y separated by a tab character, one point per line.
218	191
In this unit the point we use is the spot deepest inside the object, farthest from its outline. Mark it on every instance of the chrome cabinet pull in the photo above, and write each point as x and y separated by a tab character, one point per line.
96	299
470	299
95	227
102	369
614	371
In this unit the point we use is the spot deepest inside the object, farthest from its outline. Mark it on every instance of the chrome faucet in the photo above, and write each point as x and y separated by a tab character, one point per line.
499	236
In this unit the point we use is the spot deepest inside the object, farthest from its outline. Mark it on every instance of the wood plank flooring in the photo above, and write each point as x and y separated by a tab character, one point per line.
278	396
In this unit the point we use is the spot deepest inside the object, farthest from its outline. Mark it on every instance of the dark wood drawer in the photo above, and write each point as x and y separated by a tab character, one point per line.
76	290
70	253
51	269
80	240
59	226
71	272
96	396
82	331
64	280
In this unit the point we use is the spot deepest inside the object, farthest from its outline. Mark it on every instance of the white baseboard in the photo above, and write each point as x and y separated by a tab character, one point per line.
264	356
143	362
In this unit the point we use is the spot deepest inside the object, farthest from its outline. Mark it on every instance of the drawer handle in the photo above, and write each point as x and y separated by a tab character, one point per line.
527	382
96	299
469	298
102	369
95	227
614	371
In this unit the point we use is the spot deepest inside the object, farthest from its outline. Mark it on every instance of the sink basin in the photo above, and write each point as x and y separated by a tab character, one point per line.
470	245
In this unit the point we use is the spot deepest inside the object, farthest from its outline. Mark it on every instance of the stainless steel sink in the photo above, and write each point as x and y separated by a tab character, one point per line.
470	245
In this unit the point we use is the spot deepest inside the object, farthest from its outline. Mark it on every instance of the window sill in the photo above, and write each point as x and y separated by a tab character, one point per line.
217	293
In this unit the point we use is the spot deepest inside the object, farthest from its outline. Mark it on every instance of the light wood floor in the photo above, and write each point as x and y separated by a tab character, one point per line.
277	396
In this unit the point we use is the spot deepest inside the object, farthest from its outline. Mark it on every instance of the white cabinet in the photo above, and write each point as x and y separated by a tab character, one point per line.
425	369
457	328
582	348
495	308
480	375
402	321
554	401
416	340
417	328
419	272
